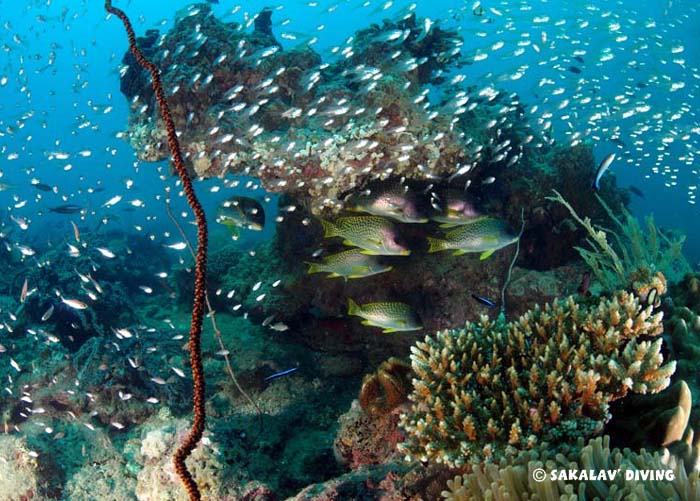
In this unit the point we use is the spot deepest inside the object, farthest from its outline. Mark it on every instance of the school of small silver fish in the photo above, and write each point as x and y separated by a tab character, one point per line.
596	72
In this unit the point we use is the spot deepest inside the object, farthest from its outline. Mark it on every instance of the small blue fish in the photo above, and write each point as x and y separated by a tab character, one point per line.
280	374
485	301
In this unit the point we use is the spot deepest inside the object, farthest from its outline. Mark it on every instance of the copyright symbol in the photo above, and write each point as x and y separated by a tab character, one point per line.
538	474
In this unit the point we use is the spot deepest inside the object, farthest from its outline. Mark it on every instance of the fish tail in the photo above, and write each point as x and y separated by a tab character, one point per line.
329	229
435	244
353	308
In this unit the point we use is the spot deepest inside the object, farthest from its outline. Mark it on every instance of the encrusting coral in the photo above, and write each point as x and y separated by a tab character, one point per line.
513	478
547	377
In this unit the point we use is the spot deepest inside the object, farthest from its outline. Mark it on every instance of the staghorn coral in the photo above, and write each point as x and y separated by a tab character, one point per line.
512	478
547	377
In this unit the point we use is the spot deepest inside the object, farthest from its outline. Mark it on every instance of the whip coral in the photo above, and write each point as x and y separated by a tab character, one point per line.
200	287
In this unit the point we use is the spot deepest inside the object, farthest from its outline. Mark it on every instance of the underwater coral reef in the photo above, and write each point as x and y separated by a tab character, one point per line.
445	300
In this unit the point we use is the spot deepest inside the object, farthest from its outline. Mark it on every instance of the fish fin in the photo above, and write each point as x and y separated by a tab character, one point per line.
235	232
329	229
358	270
367	322
370	252
459	252
388	331
435	244
486	254
449	225
353	308
313	268
333	275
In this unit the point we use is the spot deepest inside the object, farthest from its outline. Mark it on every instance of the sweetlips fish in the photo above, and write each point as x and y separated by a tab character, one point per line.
391	317
242	212
452	208
396	201
374	234
353	263
485	235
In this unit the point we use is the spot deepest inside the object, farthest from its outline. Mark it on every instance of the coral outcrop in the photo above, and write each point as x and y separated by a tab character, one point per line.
315	129
548	376
367	440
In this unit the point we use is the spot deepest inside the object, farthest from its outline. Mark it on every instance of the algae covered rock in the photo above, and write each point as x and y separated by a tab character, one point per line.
101	480
157	480
19	470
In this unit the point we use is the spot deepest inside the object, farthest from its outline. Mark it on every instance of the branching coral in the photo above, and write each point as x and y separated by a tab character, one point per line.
547	377
513	477
621	258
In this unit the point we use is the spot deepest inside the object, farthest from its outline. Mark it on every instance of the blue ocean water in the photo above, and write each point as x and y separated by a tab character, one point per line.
633	91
